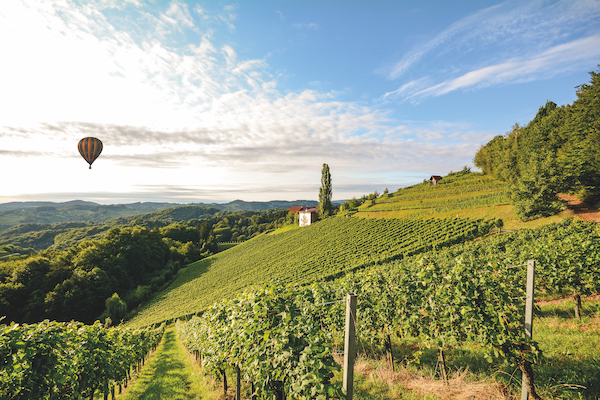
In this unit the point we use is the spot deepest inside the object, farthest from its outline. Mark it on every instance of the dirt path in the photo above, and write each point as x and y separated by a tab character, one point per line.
581	210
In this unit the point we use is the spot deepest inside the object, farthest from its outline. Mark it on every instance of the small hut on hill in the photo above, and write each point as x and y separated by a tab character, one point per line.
435	179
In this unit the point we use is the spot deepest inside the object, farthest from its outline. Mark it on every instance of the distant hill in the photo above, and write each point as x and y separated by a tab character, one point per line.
47	212
92	221
240	205
15	205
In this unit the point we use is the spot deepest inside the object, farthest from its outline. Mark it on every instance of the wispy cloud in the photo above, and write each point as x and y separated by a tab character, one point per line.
303	25
505	43
554	61
178	13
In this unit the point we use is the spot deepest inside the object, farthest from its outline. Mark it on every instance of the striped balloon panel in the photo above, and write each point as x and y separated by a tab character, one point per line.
90	148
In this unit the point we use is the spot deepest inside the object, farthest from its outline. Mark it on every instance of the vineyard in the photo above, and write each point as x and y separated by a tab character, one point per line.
53	360
271	310
471	293
283	339
456	192
330	248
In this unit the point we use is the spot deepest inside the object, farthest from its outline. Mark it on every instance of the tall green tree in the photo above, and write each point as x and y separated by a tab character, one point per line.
325	206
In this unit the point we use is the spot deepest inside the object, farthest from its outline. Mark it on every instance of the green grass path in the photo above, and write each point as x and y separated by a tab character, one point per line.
168	374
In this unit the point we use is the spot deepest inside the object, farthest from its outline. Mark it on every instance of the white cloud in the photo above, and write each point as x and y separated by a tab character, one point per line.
229	16
217	118
178	13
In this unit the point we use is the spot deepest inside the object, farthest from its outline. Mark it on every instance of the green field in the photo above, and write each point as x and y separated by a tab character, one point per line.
326	249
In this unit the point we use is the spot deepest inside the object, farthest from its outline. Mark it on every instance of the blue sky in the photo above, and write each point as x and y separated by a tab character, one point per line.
217	100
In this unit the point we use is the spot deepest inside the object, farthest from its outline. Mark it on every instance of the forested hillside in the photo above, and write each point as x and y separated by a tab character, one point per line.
558	151
82	265
232	226
72	211
46	212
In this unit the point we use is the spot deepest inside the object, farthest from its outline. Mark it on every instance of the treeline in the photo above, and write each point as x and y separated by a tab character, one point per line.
31	237
105	277
557	152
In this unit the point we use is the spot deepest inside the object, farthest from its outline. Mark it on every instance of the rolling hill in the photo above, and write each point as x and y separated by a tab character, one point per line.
394	226
324	250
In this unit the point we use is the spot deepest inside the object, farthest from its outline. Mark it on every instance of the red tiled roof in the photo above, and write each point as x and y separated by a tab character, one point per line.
295	209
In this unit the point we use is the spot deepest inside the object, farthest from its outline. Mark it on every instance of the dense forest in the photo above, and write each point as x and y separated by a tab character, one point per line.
556	152
83	271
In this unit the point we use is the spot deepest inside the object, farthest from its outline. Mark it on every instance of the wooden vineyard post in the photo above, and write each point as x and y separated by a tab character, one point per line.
349	345
528	317
238	383
577	300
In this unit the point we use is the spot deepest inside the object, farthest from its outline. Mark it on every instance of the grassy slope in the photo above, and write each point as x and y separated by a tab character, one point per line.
570	347
299	256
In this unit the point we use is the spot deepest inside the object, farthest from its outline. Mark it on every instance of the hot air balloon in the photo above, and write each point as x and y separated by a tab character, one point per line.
90	148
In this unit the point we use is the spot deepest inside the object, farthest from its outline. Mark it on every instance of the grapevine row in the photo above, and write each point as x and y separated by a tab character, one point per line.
55	360
273	338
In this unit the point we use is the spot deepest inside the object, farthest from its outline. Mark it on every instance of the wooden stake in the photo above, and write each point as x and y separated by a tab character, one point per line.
577	300
388	349
528	326
443	369
224	381
349	346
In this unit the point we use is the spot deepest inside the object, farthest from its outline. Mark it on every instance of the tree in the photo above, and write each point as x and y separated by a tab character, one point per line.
534	193
325	206
115	308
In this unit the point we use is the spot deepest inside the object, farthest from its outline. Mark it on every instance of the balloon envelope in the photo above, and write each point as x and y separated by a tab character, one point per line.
90	148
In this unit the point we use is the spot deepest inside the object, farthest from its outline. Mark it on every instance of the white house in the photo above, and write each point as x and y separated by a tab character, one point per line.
307	215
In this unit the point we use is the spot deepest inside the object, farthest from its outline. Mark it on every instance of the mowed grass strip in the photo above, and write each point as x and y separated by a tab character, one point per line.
168	374
300	256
